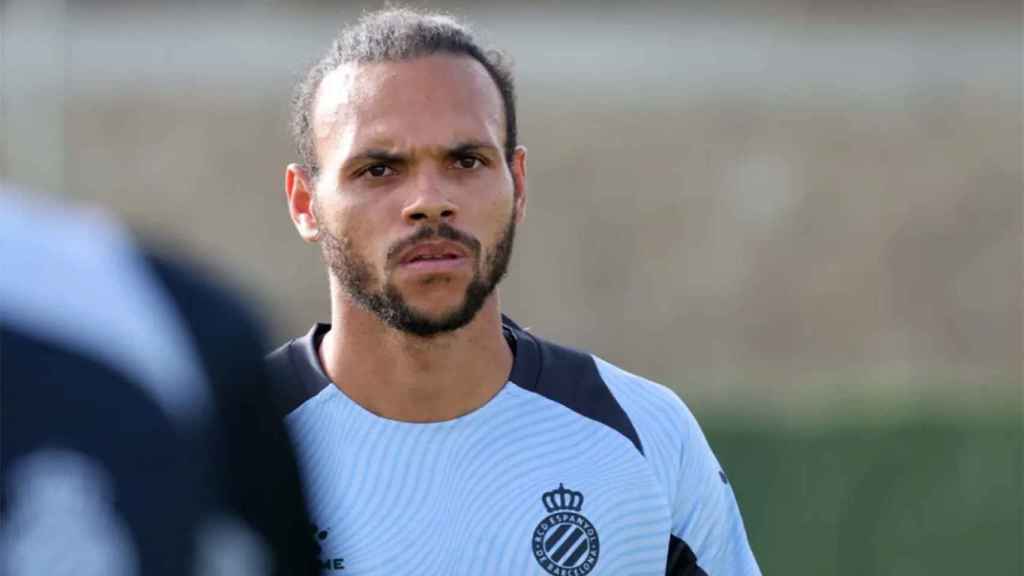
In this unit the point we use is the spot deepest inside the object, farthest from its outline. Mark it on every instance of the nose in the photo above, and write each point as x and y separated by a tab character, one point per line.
429	203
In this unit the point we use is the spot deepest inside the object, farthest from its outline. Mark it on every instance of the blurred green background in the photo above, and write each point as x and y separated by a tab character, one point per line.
926	495
803	215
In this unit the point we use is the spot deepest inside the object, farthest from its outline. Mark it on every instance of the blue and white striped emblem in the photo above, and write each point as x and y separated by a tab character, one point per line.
565	543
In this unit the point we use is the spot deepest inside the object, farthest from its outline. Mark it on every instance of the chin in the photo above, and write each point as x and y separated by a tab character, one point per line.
432	308
437	312
435	296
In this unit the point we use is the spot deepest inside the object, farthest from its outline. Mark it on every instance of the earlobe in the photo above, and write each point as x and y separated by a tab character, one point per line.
299	192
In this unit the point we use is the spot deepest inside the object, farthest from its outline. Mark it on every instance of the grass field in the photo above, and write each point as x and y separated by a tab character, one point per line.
926	496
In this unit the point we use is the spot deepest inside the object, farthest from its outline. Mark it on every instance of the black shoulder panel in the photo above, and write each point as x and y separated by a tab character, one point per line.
295	369
568	377
681	559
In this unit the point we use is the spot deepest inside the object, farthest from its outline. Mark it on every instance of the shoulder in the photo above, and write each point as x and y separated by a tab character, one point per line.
644	411
295	372
655	401
663	421
200	296
658	411
568	377
707	529
100	328
650	415
78	279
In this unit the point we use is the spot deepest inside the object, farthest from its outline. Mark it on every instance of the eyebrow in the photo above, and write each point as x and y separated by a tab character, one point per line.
469	146
383	155
375	155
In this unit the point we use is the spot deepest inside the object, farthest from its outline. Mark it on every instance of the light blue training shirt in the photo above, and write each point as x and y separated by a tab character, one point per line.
576	467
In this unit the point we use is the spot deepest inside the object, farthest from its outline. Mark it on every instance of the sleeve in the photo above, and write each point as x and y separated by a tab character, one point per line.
708	537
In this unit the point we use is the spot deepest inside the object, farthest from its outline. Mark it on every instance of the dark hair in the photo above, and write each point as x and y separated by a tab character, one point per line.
394	35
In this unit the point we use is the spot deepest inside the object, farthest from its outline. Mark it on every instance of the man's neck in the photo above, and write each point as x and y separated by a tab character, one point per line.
401	376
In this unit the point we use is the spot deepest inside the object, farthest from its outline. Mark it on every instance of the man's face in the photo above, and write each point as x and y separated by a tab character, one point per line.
415	203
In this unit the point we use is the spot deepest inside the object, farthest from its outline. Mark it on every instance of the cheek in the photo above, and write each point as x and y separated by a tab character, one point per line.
497	202
497	216
366	232
502	208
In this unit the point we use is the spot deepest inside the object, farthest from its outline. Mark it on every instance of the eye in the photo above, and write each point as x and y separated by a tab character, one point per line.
468	162
377	171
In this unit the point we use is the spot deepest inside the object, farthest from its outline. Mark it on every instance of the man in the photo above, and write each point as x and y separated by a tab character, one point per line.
435	435
139	435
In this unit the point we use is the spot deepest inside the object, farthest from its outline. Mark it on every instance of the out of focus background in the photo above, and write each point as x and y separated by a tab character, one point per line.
805	216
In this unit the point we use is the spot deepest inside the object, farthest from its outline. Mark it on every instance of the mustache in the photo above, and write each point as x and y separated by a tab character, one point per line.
427	233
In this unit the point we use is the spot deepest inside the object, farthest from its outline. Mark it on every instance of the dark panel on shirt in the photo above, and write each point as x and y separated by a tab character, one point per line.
295	369
568	377
681	559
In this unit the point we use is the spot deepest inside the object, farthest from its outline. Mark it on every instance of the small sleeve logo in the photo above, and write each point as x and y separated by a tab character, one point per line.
319	537
565	543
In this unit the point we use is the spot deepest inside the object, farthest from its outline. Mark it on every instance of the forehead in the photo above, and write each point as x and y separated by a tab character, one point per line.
428	101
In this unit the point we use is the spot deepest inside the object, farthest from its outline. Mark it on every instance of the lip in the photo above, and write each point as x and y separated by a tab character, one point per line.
454	256
435	266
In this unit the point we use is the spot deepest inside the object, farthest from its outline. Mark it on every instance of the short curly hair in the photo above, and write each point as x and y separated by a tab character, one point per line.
395	35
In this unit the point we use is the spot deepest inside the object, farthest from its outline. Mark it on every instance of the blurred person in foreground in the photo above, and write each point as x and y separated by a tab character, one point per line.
435	435
139	435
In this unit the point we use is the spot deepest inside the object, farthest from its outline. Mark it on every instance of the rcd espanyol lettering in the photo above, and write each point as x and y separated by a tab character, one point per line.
565	543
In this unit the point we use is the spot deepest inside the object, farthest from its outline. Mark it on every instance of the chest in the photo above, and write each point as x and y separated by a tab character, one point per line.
555	497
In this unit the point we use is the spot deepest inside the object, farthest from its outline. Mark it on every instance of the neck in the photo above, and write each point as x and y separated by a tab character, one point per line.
411	378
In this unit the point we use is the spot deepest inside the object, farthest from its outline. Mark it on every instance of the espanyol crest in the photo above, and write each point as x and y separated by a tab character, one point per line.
565	543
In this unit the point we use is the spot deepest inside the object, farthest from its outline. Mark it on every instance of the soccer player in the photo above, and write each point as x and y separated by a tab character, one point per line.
435	435
139	431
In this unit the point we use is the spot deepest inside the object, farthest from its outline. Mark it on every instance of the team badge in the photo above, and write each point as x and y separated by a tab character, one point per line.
565	543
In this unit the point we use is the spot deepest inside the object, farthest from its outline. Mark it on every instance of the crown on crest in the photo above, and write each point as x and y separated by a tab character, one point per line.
563	499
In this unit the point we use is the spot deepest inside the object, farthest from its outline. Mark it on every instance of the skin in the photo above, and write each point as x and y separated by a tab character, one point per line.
403	145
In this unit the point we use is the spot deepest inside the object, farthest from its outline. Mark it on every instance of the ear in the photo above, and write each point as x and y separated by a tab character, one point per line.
519	182
298	187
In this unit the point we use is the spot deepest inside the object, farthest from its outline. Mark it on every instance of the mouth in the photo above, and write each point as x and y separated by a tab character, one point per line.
433	256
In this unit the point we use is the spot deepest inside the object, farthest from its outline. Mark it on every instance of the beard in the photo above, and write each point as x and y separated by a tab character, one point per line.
357	277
